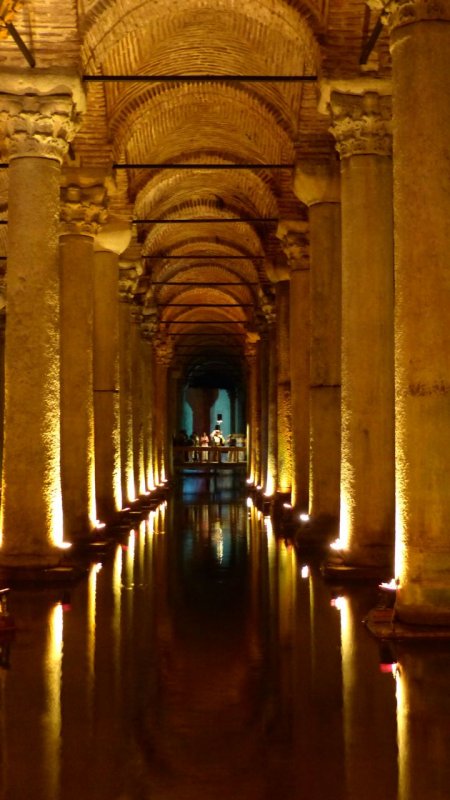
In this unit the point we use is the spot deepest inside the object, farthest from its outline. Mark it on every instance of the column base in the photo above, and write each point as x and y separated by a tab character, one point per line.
316	531
336	569
384	624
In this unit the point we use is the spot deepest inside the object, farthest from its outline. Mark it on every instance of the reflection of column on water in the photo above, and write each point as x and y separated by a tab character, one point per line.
324	696
423	719
37	663
78	680
368	709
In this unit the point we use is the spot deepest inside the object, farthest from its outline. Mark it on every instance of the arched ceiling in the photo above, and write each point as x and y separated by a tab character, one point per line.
182	126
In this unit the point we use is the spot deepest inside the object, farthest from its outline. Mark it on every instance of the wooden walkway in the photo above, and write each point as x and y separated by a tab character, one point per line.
209	459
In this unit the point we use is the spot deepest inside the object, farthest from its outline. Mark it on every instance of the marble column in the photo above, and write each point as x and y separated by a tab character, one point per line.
110	242
82	212
35	129
317	185
2	363
294	242
420	47
361	127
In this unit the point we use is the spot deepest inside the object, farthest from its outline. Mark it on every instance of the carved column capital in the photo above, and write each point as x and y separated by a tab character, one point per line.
129	274
361	123
40	113
317	182
251	345
164	347
294	239
398	13
84	201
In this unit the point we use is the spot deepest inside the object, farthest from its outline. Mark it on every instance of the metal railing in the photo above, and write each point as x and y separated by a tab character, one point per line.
208	454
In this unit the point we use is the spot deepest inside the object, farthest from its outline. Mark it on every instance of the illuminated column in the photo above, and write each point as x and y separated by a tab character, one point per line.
110	242
2	361
361	126
36	128
163	350
137	401
127	277
149	327
264	402
82	211
294	242
317	185
279	275
270	467
420	46
254	408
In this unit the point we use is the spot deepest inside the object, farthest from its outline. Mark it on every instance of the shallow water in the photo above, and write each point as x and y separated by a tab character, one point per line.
204	661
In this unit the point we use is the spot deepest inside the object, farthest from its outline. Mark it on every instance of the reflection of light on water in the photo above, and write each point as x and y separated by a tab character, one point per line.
249	502
404	789
151	523
304	572
91	612
217	540
52	717
303	517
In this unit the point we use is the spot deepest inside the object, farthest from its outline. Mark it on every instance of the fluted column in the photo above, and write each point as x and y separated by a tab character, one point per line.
361	126
317	185
35	129
420	47
82	212
294	242
110	242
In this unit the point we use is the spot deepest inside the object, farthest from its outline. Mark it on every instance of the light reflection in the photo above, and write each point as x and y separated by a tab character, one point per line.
338	544
304	572
304	517
91	616
51	722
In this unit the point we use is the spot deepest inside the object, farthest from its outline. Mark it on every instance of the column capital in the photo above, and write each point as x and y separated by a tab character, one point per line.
294	239
40	112
267	305
149	322
129	274
252	339
398	13
317	182
362	124
84	200
164	347
277	270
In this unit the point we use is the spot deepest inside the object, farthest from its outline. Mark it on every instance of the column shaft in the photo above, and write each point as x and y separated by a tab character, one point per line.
126	403
77	411
284	421
299	351
137	406
106	385
421	117
325	367
31	501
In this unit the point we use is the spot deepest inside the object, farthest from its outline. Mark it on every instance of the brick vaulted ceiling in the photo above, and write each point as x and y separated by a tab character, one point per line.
205	122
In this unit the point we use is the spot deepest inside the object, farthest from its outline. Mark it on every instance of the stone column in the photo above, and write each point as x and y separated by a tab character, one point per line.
361	127
263	374
270	467
82	212
149	326
36	128
2	363
163	350
254	407
110	242
294	242
279	275
317	185
420	47
137	401
126	283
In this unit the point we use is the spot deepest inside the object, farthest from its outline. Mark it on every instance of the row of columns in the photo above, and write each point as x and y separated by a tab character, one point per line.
369	369
78	440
